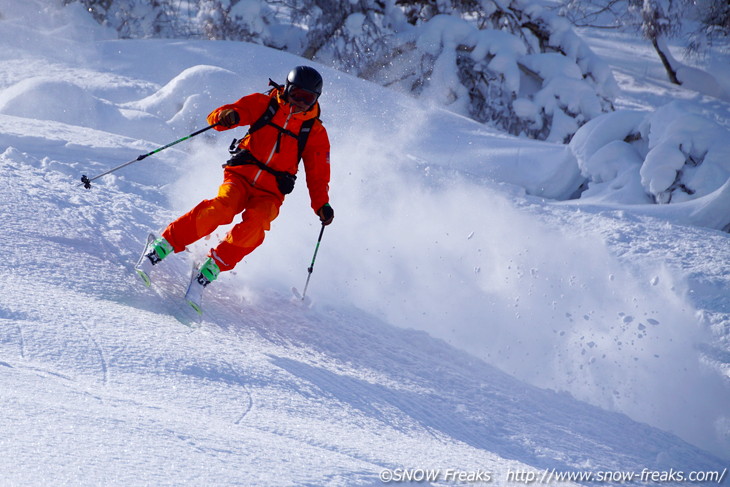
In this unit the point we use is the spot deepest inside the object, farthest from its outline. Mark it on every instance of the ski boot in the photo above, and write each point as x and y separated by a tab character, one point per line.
156	249
200	278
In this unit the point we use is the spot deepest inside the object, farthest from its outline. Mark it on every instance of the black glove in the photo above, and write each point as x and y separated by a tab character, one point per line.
228	117
326	214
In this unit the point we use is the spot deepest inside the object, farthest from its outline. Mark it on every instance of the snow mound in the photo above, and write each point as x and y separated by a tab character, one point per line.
60	101
41	98
689	155
672	155
190	96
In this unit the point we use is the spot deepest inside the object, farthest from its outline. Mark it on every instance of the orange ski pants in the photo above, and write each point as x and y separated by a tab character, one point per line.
235	196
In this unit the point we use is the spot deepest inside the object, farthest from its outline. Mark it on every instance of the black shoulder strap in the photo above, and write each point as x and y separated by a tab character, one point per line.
266	117
304	135
274	85
305	131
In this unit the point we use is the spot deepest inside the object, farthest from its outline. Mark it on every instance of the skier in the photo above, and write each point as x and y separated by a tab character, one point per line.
284	126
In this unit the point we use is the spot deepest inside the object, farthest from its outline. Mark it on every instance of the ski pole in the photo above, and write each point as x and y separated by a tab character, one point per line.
87	181
311	266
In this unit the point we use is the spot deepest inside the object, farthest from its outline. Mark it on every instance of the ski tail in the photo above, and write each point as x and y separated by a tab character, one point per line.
196	307
194	294
143	268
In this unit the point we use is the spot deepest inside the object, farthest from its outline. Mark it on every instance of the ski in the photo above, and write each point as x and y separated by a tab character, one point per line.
194	294
143	266
168	289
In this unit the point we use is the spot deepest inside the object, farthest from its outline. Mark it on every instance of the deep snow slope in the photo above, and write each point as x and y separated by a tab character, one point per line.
102	384
450	305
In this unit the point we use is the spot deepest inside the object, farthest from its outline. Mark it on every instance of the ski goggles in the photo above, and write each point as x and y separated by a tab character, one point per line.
302	96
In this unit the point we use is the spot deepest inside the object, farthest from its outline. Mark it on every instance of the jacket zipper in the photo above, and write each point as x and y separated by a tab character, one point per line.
273	150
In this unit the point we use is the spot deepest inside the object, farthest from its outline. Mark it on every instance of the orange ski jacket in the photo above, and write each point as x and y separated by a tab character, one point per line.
278	149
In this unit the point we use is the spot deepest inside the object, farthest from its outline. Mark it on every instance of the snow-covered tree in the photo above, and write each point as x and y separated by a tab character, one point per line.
508	63
135	18
673	155
695	23
713	24
512	65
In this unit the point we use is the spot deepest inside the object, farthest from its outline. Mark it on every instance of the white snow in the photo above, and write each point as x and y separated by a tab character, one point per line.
467	313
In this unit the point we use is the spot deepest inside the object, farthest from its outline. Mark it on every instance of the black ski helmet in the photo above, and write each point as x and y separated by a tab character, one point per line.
305	77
